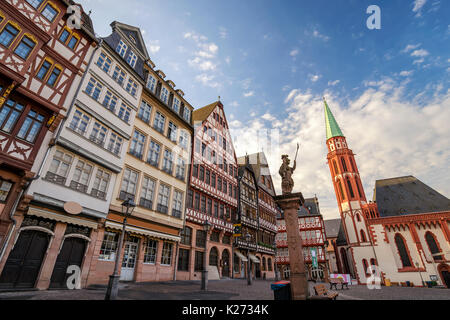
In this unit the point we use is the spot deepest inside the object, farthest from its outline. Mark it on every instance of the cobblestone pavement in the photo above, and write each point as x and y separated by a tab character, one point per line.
220	290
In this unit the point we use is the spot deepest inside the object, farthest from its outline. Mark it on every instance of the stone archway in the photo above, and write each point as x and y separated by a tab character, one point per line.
444	273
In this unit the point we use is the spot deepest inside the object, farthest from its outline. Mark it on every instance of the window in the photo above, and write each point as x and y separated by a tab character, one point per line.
269	264
213	257
203	204
403	251
153	153
184	139
183	259
197	201
80	122
137	145
69	39
341	191
433	246
365	266
186	236
132	58
168	161
216	210
124	113
147	193
172	132
59	168
65	34
166	258
199	259
177	204
363	236
94	88
159	122
195	170
209	207
55	75
81	176
131	87
344	164
213	180
31	126
5	188
200	239
25	47
190	199
150	253
349	185
181	169
104	62
202	173
215	236
49	12
164	95
109	246
163	199
100	186
151	83
118	75
145	112
35	3
8	34
43	71
176	105
187	114
98	134
129	183
115	144
122	49
110	101
207	177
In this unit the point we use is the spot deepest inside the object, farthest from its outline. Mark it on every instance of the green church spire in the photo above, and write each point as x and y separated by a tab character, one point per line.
333	129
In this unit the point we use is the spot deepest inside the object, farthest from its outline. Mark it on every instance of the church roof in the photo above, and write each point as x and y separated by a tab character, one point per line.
407	195
332	126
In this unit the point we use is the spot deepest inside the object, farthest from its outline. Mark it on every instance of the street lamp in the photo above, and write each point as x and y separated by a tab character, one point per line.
277	273
113	285
417	265
206	227
248	237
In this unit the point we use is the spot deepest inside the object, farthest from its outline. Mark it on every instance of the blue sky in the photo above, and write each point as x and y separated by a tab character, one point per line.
272	61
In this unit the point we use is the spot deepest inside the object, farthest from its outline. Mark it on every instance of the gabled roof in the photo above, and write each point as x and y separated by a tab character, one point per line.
407	195
309	208
331	124
260	166
332	227
86	22
203	113
136	33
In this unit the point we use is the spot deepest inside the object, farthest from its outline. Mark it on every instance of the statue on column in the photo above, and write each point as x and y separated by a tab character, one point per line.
286	172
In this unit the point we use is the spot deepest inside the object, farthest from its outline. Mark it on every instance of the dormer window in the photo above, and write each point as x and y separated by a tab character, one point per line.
187	114
151	83
49	12
176	105
35	3
132	39
164	95
132	58
122	49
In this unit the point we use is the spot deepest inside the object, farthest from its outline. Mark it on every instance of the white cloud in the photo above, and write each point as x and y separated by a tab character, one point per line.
294	52
391	136
249	94
406	73
410	47
420	53
418	5
333	83
207	80
223	33
314	77
153	46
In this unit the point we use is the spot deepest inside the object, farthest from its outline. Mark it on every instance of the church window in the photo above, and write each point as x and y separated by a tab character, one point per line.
336	171
363	236
433	246
341	191
403	251
350	189
344	165
366	266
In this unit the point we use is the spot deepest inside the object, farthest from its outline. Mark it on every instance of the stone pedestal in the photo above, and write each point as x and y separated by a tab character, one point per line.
290	203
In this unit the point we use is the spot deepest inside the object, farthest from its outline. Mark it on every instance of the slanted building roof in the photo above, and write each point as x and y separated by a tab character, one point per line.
407	195
331	124
203	113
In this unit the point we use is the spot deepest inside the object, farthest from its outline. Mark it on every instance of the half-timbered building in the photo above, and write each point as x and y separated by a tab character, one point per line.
42	62
212	197
312	233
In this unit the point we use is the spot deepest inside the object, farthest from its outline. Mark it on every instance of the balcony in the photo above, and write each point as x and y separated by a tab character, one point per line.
78	187
52	177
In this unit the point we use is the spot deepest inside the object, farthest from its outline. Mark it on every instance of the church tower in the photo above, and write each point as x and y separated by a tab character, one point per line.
350	194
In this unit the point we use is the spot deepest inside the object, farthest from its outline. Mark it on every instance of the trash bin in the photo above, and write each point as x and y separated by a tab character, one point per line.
387	282
408	284
429	284
281	290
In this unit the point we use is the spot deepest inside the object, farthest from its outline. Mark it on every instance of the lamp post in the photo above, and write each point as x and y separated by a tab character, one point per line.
417	265
206	227
113	285
248	237
277	273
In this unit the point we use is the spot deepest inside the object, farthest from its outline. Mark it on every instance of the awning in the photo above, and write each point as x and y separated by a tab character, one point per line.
241	256
62	218
253	258
145	232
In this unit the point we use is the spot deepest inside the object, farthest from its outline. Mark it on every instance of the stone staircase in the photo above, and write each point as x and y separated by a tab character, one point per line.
213	273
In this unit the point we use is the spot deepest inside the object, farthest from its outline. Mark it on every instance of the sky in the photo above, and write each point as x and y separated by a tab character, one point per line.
272	62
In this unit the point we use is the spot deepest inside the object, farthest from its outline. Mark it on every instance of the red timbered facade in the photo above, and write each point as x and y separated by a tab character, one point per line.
312	232
212	197
41	61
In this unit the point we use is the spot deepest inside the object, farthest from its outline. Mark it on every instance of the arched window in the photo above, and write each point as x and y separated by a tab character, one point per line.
336	171
358	185
373	262
403	251
352	165
213	257
366	266
341	191
236	263
349	185
433	245
269	264
358	218
363	236
263	266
